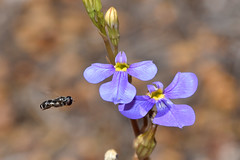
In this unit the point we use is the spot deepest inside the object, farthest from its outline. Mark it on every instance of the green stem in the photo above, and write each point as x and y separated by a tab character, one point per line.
115	50
108	46
154	129
94	22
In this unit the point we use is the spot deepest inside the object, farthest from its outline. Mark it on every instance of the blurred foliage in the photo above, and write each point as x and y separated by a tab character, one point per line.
45	45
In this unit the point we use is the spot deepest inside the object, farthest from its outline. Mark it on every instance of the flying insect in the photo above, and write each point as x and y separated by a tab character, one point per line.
58	102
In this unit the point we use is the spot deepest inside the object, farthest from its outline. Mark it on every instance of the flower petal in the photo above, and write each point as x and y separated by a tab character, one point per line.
159	85
121	57
172	115
136	109
144	71
183	85
151	88
97	72
119	90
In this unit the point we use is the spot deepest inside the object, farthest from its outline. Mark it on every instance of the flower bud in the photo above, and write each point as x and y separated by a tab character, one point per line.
89	7
145	143
97	5
111	154
111	19
92	7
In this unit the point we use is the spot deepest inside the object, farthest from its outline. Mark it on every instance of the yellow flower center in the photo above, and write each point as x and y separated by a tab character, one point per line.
158	94
121	67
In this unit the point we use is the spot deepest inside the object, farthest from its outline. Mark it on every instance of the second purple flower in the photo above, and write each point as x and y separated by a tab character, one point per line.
168	114
119	90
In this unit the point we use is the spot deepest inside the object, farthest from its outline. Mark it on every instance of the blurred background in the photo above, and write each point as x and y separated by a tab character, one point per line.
45	45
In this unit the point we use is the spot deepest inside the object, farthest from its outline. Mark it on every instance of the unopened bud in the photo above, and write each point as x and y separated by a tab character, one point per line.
89	7
111	19
97	5
111	154
92	7
145	143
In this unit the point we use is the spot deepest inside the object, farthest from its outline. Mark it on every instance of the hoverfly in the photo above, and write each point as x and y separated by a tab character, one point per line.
58	102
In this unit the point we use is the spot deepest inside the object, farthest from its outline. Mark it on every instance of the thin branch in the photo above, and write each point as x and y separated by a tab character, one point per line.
115	50
145	124
109	48
135	127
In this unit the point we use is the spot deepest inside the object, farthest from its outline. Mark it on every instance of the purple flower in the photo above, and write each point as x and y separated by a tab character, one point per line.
119	90
168	114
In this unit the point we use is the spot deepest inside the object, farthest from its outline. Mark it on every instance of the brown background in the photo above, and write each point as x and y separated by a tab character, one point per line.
45	45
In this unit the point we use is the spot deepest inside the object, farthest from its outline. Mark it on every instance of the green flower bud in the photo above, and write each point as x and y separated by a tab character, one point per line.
111	19
97	5
92	7
89	7
145	143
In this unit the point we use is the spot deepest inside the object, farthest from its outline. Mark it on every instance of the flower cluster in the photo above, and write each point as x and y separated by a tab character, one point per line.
120	91
156	104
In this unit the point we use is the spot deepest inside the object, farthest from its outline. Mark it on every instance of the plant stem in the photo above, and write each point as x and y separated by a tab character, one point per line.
108	46
115	50
135	127
145	124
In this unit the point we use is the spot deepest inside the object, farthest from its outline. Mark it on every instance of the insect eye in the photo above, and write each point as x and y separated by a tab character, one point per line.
70	100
